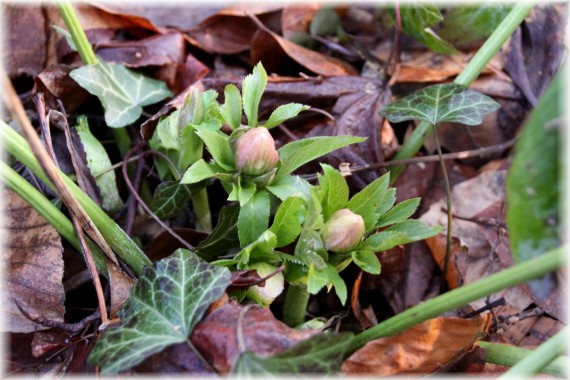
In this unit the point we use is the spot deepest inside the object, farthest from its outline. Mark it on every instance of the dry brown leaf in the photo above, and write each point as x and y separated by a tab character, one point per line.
297	18
56	83
121	285
26	40
34	265
421	349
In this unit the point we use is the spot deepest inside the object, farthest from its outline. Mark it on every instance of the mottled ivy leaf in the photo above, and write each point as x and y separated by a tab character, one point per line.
398	213
367	261
99	163
252	89
472	22
417	20
168	300
283	113
122	92
219	147
170	198
288	220
290	186
442	102
224	236
298	153
253	218
231	110
368	200
333	192
534	186
321	354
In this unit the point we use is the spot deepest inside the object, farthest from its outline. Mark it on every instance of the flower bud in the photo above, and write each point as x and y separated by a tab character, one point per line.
343	231
265	295
255	152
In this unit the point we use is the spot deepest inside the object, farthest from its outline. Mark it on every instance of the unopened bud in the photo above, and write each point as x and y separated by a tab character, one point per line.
343	231
265	295
255	152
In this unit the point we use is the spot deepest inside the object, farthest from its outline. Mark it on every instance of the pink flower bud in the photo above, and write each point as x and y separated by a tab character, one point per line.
343	231
255	152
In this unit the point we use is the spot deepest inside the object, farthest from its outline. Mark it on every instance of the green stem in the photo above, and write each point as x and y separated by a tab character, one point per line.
202	210
495	41
45	208
77	34
540	357
507	278
506	355
119	241
295	307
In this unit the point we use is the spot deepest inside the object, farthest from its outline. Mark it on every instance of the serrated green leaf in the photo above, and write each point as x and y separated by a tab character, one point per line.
311	249
316	279
290	186
65	33
245	190
333	193
322	354
265	243
382	241
252	89
284	112
170	199
122	92
168	300
367	261
470	23
224	236
417	20
253	218
219	147
288	220
167	132
199	171
387	201
398	213
191	148
415	230
368	200
231	110
337	282
533	183
298	153
449	102
192	111
98	162
211	106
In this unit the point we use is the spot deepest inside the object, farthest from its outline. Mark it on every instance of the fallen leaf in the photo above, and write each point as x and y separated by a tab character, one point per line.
34	264
421	349
297	18
179	359
46	341
26	40
56	83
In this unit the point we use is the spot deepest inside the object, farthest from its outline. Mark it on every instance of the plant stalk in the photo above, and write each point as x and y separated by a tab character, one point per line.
491	46
523	272
77	34
295	307
202	210
507	355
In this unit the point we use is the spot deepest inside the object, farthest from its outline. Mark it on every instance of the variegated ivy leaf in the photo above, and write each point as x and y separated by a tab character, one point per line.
449	102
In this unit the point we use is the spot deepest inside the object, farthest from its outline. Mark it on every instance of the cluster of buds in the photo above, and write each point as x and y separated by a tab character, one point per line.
255	152
343	231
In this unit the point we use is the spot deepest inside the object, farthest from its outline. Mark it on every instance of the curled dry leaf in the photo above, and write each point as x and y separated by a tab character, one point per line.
421	349
34	263
297	18
56	83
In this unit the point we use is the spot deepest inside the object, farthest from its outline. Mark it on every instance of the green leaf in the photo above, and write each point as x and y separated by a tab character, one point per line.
417	20
470	23
252	89
449	102
298	153
368	200
224	236
284	112
325	22
337	282
166	132
265	243
98	162
316	279
533	183
382	241
65	33
168	300
192	111
199	171
290	186
191	148
231	110
333	193
122	92
321	354
367	261
219	147
415	230
245	190
288	220
253	218
387	201
170	199
400	212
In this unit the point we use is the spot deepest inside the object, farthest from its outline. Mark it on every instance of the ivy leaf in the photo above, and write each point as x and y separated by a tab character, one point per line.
170	199
367	261
284	112
122	92
333	191
417	20
368	200
288	220
252	89
398	213
224	236
321	354
219	147
298	153
169	299
253	218
231	110
449	102
469	23
290	186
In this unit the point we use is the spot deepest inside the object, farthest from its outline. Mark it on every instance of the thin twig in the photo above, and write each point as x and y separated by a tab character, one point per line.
131	214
